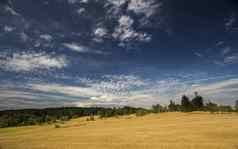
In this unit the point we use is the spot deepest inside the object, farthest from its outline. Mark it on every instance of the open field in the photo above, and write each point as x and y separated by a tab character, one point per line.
162	131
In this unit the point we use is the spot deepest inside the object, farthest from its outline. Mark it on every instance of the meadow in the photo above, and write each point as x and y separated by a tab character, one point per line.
173	130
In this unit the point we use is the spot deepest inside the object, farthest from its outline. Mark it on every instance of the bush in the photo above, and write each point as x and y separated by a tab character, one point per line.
158	108
211	107
91	118
141	112
57	126
223	108
172	107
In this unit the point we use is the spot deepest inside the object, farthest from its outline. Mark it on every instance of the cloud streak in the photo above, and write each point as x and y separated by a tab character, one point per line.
82	49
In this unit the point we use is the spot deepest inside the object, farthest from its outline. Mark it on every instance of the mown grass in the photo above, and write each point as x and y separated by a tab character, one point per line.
158	131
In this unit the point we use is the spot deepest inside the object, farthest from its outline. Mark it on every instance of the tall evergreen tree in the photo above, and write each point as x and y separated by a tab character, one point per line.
186	105
172	106
236	105
197	102
158	108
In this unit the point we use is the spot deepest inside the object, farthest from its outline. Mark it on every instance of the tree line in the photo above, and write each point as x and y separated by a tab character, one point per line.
12	118
197	104
26	117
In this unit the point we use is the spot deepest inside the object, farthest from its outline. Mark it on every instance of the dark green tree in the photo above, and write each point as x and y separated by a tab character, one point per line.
158	108
197	102
173	107
236	105
225	108
186	105
211	107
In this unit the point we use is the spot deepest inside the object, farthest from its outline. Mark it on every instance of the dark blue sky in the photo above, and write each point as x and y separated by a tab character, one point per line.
116	52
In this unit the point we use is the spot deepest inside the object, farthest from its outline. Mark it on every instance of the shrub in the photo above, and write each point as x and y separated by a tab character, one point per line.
91	118
158	108
141	112
57	126
211	107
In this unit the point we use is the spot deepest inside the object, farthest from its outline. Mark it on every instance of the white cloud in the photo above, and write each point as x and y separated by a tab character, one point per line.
84	1
219	43
11	11
230	22
100	32
11	98
77	1
8	28
223	92
82	49
126	21
226	50
72	1
145	7
120	10
24	37
97	104
108	89
222	56
26	62
76	47
124	32
232	59
81	10
118	84
198	54
217	86
117	3
64	89
115	10
46	37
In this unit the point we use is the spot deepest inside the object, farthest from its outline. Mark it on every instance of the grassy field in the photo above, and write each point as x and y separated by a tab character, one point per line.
162	131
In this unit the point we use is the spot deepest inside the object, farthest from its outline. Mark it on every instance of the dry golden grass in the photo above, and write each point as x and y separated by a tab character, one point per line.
162	131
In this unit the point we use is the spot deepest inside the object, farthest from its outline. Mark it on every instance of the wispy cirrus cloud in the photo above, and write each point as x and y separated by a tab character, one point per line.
218	87
82	49
231	59
221	55
77	1
8	28
13	98
11	11
145	7
222	92
231	23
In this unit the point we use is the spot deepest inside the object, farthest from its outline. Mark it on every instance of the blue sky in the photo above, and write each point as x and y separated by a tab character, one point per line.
116	52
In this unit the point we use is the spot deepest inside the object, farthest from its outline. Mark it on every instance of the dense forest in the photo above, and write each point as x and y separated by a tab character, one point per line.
25	117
